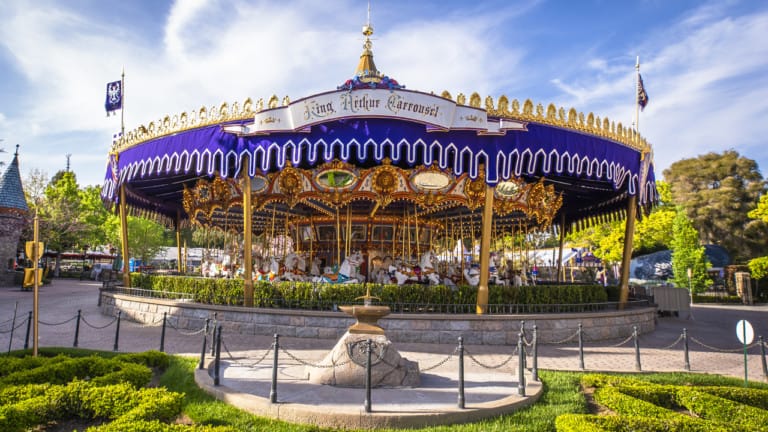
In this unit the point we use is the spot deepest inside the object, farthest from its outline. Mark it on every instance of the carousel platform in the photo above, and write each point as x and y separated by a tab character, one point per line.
433	402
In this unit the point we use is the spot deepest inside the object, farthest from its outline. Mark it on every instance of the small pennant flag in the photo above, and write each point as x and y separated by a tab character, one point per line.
642	95
114	99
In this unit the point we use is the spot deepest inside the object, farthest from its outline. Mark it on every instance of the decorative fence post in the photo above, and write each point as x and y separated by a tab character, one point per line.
461	372
273	389
117	330
581	347
77	329
162	334
762	356
29	324
205	339
685	349
215	325
368	350
637	349
535	368
217	357
521	365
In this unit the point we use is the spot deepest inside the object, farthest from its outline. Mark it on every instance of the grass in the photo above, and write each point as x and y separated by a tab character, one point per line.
562	394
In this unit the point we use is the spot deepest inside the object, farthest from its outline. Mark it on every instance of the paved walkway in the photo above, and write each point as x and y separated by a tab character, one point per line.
714	348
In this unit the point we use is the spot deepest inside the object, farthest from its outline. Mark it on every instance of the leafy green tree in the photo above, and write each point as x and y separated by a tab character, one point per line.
93	214
758	267
145	237
717	191
688	253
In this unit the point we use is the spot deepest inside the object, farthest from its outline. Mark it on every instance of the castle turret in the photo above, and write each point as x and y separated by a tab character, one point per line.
13	218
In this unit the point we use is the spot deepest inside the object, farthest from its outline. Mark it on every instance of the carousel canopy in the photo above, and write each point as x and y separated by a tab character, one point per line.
375	151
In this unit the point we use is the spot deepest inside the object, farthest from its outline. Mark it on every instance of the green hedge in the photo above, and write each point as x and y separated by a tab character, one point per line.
646	406
310	295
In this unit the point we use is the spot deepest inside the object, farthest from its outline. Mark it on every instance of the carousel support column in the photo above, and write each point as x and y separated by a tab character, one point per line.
178	242
629	233
247	239
124	237
485	251
560	254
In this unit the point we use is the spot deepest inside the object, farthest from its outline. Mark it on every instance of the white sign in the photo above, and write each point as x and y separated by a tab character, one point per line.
744	332
436	112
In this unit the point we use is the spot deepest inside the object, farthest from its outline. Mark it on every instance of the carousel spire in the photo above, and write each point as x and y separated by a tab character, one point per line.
366	74
366	68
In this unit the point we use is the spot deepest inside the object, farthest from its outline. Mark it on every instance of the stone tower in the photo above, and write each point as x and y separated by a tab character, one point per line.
13	218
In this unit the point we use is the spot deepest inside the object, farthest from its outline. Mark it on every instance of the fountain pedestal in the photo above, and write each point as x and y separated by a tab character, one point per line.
345	365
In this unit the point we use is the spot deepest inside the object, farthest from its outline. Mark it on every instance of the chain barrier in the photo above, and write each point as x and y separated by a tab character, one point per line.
22	323
182	332
6	321
441	362
58	324
566	340
487	366
734	350
670	346
624	342
250	365
319	366
98	327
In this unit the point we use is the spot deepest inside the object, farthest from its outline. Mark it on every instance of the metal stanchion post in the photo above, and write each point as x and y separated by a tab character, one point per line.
637	349
368	350
535	368
581	347
77	328
273	389
29	326
521	365
762	356
215	325
217	358
461	373
117	330
162	333
205	339
685	349
13	327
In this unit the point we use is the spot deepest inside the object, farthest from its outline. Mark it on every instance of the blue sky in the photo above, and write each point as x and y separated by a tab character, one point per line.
704	64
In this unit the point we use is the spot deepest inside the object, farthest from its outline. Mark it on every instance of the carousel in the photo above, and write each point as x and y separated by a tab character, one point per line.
373	182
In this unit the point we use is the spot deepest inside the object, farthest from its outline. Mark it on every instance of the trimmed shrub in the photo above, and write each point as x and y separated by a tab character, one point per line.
600	423
716	408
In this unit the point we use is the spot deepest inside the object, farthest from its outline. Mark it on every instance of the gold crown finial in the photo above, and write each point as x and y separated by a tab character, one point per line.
366	68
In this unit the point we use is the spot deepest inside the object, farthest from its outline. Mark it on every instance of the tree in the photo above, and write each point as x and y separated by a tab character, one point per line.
688	253
717	191
758	267
145	237
93	214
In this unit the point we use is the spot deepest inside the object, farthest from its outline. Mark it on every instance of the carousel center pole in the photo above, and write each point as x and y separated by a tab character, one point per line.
124	237
629	233
178	242
485	251
247	238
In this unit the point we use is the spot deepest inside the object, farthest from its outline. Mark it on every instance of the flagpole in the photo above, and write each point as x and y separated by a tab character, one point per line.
122	102
637	98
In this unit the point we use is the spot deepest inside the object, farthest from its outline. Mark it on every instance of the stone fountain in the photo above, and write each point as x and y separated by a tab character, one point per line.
345	364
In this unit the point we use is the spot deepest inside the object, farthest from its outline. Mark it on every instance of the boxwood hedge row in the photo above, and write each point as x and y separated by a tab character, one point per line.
311	295
641	405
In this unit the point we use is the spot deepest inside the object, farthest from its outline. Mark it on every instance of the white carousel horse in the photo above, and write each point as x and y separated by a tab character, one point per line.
347	272
472	275
315	267
427	264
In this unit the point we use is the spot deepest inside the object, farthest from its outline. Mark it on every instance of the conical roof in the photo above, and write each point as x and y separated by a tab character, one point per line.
11	190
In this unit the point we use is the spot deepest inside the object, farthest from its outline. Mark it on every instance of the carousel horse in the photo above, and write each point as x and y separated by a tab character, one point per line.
315	267
347	272
427	264
472	275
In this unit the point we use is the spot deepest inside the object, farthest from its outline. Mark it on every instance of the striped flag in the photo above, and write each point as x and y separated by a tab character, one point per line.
114	100
642	95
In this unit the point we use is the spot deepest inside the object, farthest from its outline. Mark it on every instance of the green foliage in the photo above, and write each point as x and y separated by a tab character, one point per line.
675	401
761	211
687	253
145	237
323	296
758	267
717	191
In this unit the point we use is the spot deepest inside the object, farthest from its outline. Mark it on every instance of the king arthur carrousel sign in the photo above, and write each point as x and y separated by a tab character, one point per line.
435	112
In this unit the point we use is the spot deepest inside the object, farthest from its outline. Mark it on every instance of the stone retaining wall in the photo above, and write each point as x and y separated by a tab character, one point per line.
417	328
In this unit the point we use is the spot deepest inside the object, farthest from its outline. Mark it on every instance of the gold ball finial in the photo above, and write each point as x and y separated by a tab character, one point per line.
367	30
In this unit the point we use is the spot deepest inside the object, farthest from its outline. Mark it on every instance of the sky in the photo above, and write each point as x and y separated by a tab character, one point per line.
704	64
